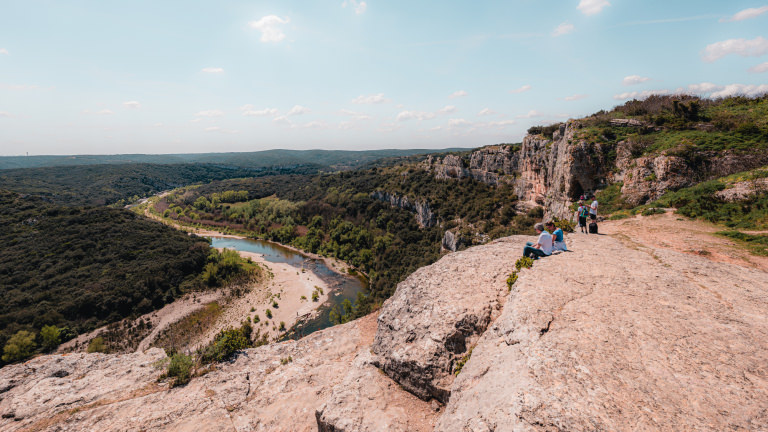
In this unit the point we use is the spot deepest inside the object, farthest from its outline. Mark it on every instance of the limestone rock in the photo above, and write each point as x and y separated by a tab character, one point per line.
368	401
424	215
610	337
438	312
261	390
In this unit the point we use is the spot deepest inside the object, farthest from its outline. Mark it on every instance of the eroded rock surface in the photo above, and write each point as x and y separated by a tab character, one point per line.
617	336
438	312
261	390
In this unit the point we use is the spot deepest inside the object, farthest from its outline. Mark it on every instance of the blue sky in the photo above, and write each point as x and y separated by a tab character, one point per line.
104	77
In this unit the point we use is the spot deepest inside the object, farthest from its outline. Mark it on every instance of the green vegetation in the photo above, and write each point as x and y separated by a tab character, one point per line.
337	215
97	345
180	368
460	364
511	279
19	347
84	268
50	338
757	244
523	262
226	344
196	323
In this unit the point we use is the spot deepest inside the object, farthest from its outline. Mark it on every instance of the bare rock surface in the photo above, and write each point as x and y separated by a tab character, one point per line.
276	387
369	401
619	336
438	312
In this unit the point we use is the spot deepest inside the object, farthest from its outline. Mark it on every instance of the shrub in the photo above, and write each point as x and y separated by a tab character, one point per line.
225	345
180	368
511	279
20	346
523	262
282	326
315	296
50	337
286	360
564	224
97	345
268	313
460	364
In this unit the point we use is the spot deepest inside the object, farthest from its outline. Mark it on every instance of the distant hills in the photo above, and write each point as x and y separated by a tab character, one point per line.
339	159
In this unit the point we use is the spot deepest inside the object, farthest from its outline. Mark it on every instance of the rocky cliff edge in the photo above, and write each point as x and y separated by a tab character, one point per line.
614	335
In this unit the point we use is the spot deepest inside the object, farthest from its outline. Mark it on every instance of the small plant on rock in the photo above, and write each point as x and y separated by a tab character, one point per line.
511	279
523	262
180	368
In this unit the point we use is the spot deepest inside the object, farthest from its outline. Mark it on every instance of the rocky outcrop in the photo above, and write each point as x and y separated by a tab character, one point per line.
744	189
424	215
621	338
451	241
648	178
492	164
612	335
437	314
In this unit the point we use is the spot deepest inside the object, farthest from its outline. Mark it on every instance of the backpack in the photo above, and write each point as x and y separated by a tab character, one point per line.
583	211
593	228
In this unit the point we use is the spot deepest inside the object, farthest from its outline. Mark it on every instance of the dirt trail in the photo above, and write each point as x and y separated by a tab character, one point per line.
671	231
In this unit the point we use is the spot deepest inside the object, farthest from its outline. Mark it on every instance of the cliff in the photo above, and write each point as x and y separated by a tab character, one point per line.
618	334
554	171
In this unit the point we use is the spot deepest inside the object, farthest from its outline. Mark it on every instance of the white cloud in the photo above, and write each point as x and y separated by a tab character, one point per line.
702	88
415	115
522	89
213	70
3	51
458	94
269	26
370	99
448	109
741	89
639	95
575	97
355	115
298	110
259	113
210	113
281	120
746	14
5	114
591	7
762	67
132	104
460	122
743	47
563	29
486	111
19	86
359	6
634	79
246	107
501	123
531	114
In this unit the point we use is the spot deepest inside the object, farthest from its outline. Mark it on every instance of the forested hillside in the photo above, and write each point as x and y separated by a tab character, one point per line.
80	268
337	215
116	185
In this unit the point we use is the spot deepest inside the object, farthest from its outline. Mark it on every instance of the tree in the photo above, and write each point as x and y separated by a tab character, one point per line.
97	345
20	346
50	336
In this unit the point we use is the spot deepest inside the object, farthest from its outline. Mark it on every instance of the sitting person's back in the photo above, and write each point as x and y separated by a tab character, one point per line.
558	238
543	247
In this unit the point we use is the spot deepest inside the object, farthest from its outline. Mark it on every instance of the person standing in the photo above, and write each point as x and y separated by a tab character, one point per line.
593	209
583	212
543	246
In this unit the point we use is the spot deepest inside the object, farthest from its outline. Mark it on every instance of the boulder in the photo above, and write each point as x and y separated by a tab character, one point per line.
438	313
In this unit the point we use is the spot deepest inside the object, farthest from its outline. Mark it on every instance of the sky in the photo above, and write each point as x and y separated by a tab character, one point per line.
116	77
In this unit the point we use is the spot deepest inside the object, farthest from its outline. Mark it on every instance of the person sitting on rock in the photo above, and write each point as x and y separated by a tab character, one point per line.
558	239
543	247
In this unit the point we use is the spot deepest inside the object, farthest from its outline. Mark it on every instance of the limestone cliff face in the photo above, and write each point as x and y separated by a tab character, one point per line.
555	171
424	215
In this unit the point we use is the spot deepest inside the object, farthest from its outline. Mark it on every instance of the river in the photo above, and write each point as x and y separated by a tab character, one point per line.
341	286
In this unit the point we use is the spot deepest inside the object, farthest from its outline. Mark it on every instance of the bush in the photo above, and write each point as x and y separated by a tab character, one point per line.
50	337
97	345
511	279
523	262
19	347
268	313
225	345
180	368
